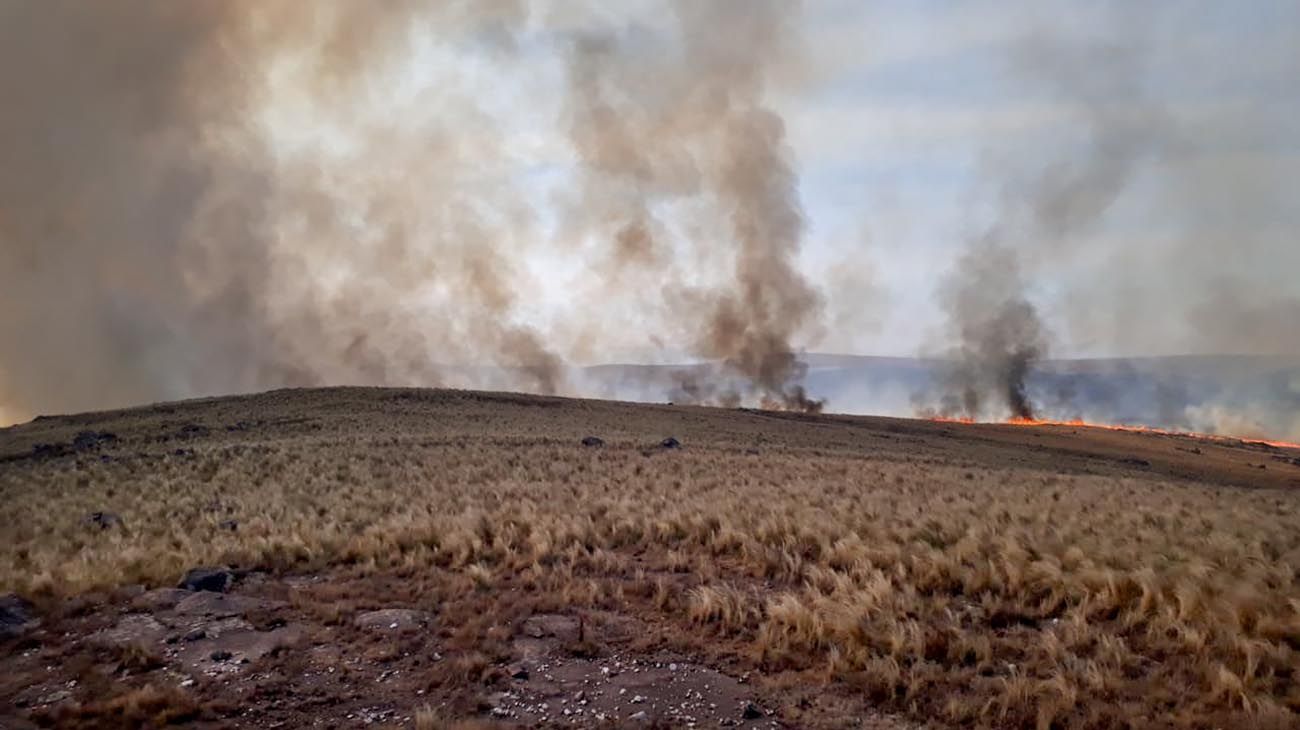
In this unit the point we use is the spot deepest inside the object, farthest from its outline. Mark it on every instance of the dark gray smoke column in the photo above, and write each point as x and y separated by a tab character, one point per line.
664	119
996	331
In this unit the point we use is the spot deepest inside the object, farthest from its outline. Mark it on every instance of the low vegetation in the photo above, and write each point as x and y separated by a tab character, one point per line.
956	578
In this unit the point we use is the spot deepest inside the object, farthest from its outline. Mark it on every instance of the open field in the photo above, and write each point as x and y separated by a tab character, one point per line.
850	570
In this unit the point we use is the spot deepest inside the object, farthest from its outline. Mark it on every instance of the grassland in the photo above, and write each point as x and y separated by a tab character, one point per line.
956	575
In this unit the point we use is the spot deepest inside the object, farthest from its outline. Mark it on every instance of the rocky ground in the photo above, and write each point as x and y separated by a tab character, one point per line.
324	651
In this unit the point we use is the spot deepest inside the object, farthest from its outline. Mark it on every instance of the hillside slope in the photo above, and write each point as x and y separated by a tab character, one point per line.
849	566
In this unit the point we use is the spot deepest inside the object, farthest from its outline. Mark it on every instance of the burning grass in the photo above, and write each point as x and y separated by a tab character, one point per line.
1131	428
965	581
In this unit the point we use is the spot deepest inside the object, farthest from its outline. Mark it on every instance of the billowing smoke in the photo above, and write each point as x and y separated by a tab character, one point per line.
999	337
154	244
998	333
162	235
660	121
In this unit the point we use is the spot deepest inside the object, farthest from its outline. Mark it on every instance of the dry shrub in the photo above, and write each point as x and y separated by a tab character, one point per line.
147	706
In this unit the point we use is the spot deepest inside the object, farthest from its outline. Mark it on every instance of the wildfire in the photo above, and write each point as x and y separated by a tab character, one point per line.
1079	423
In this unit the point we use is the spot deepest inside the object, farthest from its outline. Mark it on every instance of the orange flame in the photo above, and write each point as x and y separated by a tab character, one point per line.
1079	423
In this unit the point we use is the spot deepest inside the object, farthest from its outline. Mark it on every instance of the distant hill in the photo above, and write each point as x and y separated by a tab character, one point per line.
1240	395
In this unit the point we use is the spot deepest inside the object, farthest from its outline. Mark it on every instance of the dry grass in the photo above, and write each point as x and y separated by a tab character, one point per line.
958	579
140	707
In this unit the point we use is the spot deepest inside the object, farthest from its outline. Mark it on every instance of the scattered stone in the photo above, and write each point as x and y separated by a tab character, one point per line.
237	639
16	615
638	716
103	520
392	619
593	441
207	579
220	655
752	712
195	635
519	671
670	443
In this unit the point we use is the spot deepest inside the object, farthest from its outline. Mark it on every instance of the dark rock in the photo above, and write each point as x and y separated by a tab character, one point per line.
231	525
207	579
519	671
49	451
196	634
752	712
670	443
194	430
16	615
220	655
1136	462
593	441
103	520
92	439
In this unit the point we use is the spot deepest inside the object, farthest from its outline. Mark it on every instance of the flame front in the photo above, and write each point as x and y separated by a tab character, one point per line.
1080	423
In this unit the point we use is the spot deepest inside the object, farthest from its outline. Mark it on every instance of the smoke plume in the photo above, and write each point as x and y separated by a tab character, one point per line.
998	332
163	236
692	124
999	337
